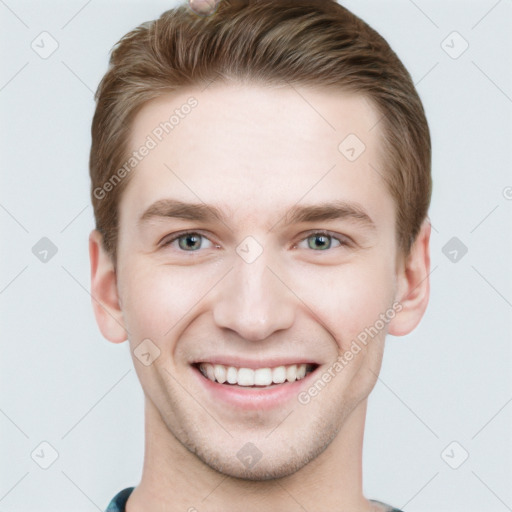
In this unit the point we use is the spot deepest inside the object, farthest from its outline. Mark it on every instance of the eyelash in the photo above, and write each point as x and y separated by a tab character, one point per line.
341	239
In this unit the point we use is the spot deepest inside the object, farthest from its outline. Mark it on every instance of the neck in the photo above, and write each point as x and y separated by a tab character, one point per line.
174	479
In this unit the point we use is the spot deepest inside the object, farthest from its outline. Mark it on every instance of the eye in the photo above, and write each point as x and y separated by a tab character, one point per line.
191	241
187	242
322	241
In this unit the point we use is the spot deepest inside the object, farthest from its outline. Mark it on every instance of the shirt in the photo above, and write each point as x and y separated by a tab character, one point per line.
118	502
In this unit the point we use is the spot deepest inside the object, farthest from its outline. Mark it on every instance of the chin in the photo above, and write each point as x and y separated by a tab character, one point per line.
261	471
284	460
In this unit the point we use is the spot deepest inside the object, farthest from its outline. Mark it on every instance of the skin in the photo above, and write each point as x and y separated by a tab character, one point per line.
294	299
203	7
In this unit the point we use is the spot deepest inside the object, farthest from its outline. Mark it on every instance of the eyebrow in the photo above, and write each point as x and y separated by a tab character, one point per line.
333	210
173	208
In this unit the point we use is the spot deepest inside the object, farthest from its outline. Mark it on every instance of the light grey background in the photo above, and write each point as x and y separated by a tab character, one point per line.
448	381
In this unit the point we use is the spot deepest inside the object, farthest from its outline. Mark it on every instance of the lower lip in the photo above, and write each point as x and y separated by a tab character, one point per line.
252	398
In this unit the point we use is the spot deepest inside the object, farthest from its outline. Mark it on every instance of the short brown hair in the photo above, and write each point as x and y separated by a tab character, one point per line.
299	42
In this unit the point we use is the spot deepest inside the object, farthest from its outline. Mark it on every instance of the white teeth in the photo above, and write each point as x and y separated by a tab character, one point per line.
291	373
279	374
219	373
262	376
231	375
245	377
210	372
249	377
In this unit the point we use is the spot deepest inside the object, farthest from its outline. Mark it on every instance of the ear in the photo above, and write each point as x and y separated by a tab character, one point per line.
105	299
413	290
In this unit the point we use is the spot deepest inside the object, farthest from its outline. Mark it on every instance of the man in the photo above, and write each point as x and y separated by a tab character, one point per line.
261	183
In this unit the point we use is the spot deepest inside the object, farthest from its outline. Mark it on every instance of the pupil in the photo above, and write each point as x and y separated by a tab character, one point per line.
324	241
193	239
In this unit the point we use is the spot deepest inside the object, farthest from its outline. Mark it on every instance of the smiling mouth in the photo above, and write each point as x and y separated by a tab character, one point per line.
257	378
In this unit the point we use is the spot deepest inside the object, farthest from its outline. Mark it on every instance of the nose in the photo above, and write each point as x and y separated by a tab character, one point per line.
253	300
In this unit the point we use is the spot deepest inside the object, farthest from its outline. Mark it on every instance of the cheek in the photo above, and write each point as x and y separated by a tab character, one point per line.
349	299
158	298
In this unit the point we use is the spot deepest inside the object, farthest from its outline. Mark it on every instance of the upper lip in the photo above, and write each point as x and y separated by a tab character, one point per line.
239	362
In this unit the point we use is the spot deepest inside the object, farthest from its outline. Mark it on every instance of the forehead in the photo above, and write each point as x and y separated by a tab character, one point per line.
255	150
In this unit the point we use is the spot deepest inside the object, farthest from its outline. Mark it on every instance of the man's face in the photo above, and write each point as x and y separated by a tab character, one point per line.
257	288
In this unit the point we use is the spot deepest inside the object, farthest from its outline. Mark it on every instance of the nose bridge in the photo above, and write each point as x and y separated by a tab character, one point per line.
253	301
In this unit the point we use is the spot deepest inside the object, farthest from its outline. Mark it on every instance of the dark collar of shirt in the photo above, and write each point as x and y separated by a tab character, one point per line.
118	502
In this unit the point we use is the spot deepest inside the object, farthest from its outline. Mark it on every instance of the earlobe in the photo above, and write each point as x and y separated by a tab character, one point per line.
413	289
105	298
